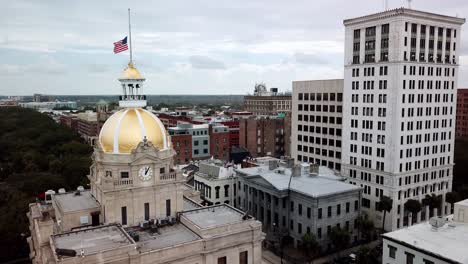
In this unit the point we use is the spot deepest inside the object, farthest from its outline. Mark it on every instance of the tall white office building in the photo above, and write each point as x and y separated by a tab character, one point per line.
400	83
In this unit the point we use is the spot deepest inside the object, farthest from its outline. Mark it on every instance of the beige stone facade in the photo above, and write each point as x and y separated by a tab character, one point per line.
135	210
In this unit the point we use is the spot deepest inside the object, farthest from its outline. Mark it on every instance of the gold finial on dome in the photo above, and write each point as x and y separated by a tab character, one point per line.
131	72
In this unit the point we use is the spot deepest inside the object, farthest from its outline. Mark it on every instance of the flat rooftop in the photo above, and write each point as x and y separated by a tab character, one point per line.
168	236
449	242
93	240
212	216
324	184
70	202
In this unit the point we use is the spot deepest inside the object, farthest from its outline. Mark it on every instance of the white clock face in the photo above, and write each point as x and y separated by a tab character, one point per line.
145	173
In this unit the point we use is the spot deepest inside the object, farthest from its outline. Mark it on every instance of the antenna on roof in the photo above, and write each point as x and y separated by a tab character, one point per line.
385	4
409	4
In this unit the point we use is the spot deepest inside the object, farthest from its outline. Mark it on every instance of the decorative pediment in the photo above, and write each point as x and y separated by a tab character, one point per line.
145	146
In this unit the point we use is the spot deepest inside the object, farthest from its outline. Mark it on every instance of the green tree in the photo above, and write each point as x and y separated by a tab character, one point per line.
366	255
310	246
385	204
366	228
340	238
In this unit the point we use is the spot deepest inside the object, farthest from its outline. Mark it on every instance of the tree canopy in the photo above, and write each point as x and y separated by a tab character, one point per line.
36	154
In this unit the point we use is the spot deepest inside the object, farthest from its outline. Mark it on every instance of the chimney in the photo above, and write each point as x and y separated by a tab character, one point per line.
296	171
272	164
314	169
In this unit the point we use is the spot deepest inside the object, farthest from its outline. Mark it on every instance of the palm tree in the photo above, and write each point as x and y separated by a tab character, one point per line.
413	206
310	246
451	198
433	201
385	204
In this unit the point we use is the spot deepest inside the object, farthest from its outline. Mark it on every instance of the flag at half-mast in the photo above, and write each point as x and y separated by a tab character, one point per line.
120	45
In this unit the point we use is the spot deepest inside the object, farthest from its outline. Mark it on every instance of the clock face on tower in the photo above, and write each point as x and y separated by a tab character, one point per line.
145	173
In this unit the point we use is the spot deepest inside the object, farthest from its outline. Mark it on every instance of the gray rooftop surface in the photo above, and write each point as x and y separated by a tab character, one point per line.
167	236
326	183
213	216
93	240
446	241
69	202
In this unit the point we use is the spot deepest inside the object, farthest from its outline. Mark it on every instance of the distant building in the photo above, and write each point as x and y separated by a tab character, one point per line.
263	136
172	120
462	113
219	141
441	240
264	102
233	127
317	122
298	199
199	141
215	180
41	106
40	98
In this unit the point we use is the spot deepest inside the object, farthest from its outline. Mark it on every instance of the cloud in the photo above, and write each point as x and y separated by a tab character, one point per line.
309	58
46	66
97	68
202	62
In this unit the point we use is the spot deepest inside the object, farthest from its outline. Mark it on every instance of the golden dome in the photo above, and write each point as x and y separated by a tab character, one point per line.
131	72
124	130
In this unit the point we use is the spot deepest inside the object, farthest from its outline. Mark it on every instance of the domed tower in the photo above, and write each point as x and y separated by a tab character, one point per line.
133	175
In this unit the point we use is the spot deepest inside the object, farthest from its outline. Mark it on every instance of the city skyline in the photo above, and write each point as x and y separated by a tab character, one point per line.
182	48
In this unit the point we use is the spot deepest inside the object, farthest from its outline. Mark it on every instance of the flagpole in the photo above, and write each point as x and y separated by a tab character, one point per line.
130	37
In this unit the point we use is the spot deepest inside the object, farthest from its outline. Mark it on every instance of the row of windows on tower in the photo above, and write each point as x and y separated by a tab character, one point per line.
318	141
320	130
320	159
320	108
419	98
434	162
322	152
320	119
320	97
430	70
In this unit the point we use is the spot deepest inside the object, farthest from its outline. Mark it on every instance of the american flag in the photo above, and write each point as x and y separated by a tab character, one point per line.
120	45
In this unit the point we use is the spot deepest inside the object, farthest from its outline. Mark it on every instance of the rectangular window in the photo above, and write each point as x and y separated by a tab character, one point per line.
320	213
329	212
409	258
147	212
243	257
222	260
168	207
392	251
124	175
123	212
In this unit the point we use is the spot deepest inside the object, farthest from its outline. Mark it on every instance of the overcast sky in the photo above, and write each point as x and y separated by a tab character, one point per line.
183	47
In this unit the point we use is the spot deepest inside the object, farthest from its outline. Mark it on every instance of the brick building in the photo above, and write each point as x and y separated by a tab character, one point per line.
462	113
219	142
182	144
233	126
263	136
264	102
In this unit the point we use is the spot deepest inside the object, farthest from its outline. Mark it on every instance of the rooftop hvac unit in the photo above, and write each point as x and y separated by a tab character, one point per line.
80	188
48	196
437	222
61	190
65	252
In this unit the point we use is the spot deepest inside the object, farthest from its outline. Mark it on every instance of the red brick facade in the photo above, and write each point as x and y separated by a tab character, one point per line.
462	113
182	144
263	136
233	132
219	144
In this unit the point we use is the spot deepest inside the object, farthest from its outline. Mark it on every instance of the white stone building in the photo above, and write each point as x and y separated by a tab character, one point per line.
441	240
298	199
400	79
215	180
316	127
135	211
